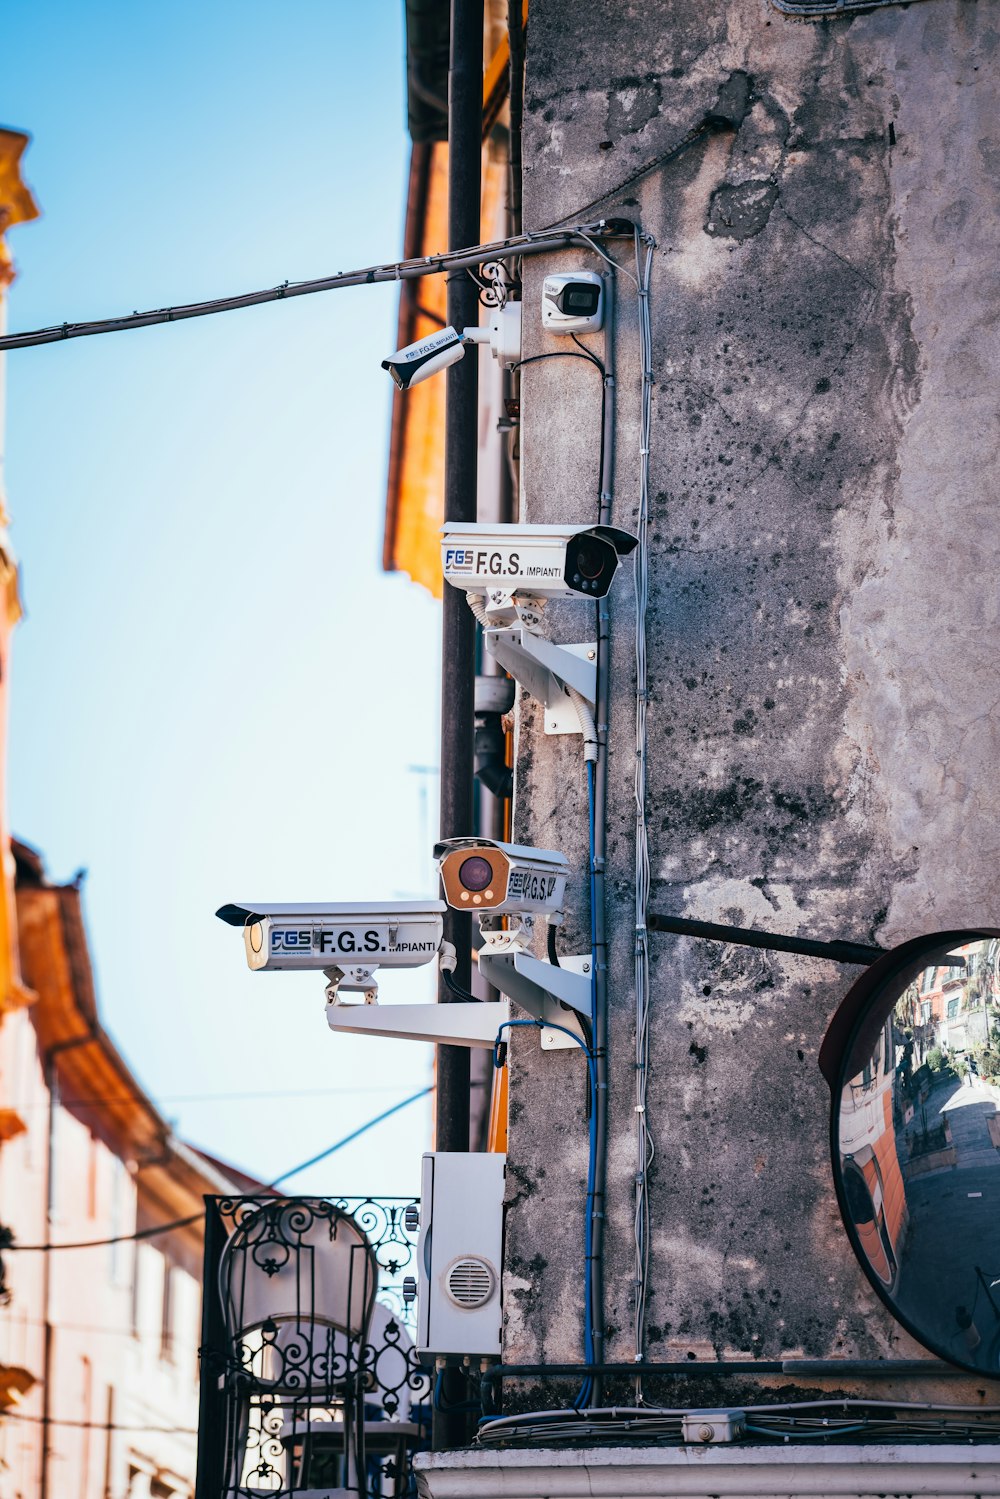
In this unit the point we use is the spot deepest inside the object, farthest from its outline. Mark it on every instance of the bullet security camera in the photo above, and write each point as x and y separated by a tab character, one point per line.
418	361
347	942
501	878
508	573
521	884
573	302
498	561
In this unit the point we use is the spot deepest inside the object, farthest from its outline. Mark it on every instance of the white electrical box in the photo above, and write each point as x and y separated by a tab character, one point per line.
459	1255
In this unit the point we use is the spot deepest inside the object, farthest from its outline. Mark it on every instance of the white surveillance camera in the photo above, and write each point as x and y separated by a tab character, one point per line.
520	884
346	941
573	302
498	562
501	878
508	573
418	361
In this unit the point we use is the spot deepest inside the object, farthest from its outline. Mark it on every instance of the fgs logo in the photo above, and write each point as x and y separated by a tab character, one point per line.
529	886
284	940
306	940
481	564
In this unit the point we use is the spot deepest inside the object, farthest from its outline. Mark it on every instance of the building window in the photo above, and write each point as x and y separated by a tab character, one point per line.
93	1159
166	1323
122	1224
953	1008
925	1012
136	1291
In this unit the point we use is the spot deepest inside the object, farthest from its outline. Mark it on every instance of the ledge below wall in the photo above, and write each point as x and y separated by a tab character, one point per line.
785	1472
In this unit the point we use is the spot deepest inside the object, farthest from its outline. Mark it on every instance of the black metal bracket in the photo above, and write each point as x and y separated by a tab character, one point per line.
713	931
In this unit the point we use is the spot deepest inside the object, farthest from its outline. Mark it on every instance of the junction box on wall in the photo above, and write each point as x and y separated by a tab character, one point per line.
459	1255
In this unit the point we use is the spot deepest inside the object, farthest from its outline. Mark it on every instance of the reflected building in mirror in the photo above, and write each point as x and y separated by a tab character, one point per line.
918	1133
872	1177
952	1006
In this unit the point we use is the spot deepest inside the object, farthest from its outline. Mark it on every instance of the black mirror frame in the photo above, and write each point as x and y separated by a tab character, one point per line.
851	1034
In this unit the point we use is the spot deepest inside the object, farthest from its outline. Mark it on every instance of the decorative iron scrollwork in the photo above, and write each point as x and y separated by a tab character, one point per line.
311	1373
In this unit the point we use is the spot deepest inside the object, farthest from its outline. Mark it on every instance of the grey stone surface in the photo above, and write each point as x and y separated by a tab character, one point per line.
824	700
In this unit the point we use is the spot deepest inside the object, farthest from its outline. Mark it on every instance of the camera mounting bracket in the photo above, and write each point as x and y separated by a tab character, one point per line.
460	1024
547	671
554	996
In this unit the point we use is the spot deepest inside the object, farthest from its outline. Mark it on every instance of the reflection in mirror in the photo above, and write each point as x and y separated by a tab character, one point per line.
918	1127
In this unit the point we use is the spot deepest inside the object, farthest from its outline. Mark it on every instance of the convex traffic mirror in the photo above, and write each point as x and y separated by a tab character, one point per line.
913	1061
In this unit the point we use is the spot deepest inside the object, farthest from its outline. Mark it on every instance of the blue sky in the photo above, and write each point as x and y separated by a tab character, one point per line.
217	694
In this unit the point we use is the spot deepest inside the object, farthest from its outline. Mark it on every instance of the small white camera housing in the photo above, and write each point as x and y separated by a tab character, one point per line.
347	941
573	302
498	562
418	361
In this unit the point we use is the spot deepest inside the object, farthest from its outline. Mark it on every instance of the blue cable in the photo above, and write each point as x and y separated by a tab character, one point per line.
584	1393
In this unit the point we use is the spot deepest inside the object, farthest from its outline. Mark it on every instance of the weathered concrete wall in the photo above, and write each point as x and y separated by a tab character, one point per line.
823	715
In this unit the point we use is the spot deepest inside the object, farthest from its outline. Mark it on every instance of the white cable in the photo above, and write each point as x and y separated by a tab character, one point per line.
479	609
588	726
643	1142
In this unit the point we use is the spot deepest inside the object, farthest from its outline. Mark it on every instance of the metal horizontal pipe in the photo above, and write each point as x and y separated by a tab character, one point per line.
737	1366
825	1368
714	931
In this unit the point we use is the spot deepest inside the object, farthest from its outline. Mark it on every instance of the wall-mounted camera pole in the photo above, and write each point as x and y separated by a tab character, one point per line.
603	717
465	127
458	628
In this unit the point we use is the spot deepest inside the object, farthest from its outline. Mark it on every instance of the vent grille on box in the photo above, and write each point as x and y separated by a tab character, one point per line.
470	1283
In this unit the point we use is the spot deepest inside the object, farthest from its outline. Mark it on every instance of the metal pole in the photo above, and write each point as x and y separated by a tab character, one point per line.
465	137
465	123
596	1268
210	1476
515	35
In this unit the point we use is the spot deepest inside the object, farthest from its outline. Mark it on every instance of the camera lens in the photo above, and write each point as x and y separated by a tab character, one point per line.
475	873
591	560
591	563
581	299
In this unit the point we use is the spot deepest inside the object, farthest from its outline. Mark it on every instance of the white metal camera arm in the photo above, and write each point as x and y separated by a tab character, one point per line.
348	942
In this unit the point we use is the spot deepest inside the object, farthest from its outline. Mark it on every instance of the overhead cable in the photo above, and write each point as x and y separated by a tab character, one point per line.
171	1431
166	1228
542	242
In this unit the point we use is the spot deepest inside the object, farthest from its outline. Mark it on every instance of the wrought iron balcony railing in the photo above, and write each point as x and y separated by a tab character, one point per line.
310	1385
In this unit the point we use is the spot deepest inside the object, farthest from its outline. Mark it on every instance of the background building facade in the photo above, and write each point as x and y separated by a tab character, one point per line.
108	1332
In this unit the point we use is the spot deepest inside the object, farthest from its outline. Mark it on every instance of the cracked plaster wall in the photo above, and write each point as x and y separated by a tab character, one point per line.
823	713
